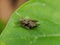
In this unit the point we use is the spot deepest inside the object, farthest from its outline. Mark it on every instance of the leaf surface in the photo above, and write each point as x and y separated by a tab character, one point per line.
47	12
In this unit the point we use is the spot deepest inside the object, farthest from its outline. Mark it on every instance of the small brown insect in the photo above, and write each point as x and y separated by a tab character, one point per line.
28	23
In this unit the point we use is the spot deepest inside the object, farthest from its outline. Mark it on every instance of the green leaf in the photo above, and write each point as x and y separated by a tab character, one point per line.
2	25
47	12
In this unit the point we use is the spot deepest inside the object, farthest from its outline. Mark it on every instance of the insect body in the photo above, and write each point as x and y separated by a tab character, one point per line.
28	23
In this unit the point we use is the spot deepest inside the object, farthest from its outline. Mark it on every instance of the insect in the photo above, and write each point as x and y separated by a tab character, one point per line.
29	23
